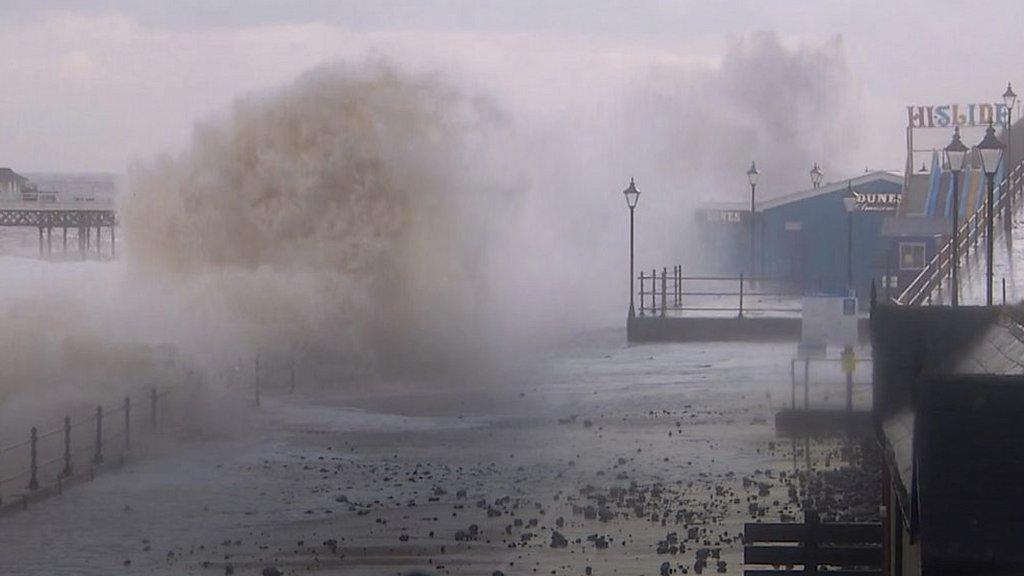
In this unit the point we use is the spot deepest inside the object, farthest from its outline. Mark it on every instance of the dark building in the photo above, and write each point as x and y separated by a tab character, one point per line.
805	237
948	394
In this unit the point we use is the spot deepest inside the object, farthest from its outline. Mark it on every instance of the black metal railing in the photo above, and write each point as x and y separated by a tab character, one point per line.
76	447
934	274
670	293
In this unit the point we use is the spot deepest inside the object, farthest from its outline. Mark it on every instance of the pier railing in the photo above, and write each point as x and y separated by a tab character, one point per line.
938	269
49	459
672	293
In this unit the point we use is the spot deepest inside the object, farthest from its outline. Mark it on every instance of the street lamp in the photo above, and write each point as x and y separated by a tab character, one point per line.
850	203
1010	99
991	151
632	196
752	175
816	176
956	157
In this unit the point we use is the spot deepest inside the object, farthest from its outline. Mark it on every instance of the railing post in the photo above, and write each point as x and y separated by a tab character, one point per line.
741	295
654	291
66	472
664	290
152	408
679	288
97	458
256	375
33	481
642	293
127	423
811	522
679	285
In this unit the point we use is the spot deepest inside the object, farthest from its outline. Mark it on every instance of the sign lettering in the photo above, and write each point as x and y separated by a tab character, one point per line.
948	115
877	202
726	216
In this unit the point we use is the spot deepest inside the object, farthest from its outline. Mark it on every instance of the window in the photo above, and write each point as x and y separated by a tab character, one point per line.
911	255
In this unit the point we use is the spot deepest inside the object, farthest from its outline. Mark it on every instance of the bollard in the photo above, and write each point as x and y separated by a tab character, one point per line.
741	294
66	472
152	408
97	458
33	482
1004	290
127	423
664	290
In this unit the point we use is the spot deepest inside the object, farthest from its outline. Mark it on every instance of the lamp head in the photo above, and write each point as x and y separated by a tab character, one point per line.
991	151
632	194
752	174
1009	98
956	152
816	175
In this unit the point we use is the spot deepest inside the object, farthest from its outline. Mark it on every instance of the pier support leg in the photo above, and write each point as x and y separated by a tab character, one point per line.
49	242
41	254
807	382
113	245
792	379
65	239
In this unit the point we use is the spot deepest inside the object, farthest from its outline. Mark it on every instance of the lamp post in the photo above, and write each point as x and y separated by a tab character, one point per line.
632	195
1010	99
956	157
850	203
816	176
991	151
752	175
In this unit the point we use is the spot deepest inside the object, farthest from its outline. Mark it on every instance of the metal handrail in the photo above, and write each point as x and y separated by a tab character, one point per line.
672	293
938	267
115	429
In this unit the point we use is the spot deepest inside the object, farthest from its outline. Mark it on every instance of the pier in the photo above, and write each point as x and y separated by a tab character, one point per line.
87	219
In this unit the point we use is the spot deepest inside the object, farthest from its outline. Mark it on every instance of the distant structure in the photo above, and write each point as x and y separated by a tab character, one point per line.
12	185
23	204
809	238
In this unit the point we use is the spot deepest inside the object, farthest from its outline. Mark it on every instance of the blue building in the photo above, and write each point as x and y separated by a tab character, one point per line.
805	237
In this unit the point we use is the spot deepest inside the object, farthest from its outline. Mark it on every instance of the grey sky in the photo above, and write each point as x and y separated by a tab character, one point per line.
93	85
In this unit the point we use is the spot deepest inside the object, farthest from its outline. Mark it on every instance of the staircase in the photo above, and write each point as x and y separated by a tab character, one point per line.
932	285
